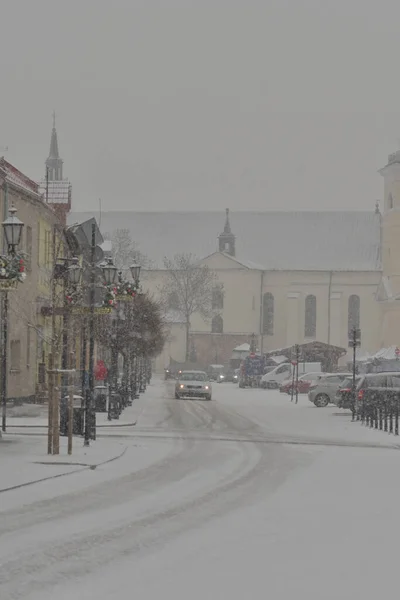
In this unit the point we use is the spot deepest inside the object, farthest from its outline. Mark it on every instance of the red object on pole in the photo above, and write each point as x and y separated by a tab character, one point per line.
252	355
100	371
397	351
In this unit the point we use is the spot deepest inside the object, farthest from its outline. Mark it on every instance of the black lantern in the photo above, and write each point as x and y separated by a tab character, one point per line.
135	271
74	271
109	272
12	228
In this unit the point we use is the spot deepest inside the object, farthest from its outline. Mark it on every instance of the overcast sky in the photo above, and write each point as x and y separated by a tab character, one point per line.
203	104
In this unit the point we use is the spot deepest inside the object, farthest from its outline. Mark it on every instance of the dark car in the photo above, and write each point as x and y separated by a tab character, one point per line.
371	389
377	389
343	397
227	376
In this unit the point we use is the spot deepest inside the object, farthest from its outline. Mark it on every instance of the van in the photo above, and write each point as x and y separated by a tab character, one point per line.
285	371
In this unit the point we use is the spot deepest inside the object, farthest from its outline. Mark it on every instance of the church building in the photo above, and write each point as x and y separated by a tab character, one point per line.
287	277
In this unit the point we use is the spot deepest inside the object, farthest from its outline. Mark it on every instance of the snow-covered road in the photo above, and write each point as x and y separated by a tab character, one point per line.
245	496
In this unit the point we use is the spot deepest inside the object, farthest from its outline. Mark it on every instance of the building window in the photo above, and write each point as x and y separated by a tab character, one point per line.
353	319
390	201
217	301
173	301
15	351
310	328
28	258
217	324
47	248
39	243
268	314
28	346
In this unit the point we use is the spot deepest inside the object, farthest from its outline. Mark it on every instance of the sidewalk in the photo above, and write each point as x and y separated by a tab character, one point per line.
24	459
34	417
23	448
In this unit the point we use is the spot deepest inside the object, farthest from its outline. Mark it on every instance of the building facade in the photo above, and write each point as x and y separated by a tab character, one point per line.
27	335
287	277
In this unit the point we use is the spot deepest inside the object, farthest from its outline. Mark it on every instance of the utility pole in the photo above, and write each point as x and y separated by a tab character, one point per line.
90	414
354	342
295	374
47	185
4	363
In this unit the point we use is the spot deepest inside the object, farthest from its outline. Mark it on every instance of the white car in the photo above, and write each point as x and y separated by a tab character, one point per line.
193	384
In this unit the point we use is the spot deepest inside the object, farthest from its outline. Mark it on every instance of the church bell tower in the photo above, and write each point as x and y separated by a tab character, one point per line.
226	239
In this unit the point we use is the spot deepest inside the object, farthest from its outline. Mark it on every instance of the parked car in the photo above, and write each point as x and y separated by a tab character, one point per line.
343	396
377	387
323	392
283	372
193	384
303	383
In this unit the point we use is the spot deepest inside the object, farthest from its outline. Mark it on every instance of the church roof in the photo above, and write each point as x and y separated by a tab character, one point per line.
320	241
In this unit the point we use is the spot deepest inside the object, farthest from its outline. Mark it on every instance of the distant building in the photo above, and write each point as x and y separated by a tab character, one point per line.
288	277
56	190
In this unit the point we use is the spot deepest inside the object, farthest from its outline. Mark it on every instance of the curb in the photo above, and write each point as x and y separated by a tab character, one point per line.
84	467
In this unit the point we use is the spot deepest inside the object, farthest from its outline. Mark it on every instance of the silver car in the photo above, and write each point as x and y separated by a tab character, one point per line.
323	392
193	384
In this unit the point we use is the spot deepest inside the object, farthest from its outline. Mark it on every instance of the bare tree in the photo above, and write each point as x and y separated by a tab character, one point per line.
188	289
125	251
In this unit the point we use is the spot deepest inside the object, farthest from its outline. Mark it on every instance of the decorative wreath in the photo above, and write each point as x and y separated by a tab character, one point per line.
12	268
122	288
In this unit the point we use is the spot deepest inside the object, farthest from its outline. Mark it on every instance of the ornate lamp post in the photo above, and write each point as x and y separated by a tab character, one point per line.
135	272
12	228
110	272
74	271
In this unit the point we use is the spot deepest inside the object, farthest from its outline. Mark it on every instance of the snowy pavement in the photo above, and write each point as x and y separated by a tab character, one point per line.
245	496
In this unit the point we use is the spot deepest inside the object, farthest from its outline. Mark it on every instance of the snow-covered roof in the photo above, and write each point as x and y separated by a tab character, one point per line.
279	359
242	348
17	178
321	241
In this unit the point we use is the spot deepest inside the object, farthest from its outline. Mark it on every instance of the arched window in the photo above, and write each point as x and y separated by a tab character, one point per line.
268	314
310	327
353	319
217	299
217	324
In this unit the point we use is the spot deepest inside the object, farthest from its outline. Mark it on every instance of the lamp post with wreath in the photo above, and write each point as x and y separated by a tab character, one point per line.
118	291
12	271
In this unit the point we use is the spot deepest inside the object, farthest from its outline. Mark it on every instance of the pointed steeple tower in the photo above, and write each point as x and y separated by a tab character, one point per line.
56	190
227	239
54	164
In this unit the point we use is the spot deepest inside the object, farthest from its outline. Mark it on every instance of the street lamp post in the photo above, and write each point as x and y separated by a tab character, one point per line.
12	228
67	269
110	272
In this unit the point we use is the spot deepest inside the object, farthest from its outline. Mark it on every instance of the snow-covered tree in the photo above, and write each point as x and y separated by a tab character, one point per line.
188	290
125	251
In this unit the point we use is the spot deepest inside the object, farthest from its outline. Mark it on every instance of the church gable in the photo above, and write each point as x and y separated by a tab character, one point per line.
220	260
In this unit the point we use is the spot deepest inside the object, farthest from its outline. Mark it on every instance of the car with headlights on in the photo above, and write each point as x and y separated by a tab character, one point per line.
193	384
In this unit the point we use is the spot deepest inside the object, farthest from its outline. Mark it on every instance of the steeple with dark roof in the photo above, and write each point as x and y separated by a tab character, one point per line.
56	190
227	239
54	164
